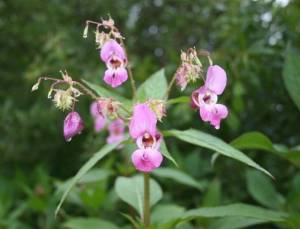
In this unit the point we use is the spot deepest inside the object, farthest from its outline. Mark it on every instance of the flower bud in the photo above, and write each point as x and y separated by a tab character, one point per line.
73	125
85	31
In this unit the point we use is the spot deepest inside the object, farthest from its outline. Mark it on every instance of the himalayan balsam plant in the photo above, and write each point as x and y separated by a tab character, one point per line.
141	115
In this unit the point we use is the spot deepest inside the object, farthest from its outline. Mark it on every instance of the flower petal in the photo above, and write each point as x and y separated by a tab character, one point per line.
216	79
111	47
142	121
146	160
115	77
205	112
218	113
99	123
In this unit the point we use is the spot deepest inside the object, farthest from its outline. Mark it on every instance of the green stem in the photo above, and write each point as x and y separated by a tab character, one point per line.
146	213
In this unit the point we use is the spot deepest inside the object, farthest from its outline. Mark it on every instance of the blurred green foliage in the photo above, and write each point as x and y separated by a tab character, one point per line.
247	38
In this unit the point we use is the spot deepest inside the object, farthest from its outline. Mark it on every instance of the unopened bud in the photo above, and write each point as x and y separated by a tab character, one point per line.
35	86
73	125
85	31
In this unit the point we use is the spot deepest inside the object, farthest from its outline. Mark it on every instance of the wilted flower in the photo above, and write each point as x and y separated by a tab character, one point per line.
206	97
101	38
189	70
158	107
116	131
143	121
113	54
108	23
73	125
63	99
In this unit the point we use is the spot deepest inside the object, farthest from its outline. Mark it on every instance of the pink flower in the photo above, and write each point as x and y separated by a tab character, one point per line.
73	125
99	123
147	157
116	131
142	121
115	58
96	110
205	98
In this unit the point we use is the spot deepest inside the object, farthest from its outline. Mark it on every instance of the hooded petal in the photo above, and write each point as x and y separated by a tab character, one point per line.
115	77
142	121
146	160
99	123
73	125
110	48
218	113
216	79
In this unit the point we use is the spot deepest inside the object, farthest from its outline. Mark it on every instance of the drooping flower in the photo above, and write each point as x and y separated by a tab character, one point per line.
116	131
147	157
206	97
113	54
73	125
142	121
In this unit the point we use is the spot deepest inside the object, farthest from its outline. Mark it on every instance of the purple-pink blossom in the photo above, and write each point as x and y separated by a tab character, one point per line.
116	131
142	128
206	97
73	125
113	54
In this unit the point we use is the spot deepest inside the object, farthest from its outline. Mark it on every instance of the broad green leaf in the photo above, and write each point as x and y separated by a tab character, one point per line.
199	138
291	75
182	99
212	196
235	222
239	209
257	140
165	213
84	169
166	153
253	140
154	87
101	91
88	223
263	191
178	176
131	191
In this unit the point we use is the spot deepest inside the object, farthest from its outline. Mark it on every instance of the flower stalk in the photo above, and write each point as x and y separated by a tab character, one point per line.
146	210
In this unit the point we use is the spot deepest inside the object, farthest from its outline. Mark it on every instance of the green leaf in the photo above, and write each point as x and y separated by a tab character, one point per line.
210	142
84	169
263	191
253	140
178	176
291	75
166	153
182	99
90	223
212	196
239	209
154	87
101	91
235	222
166	213
131	191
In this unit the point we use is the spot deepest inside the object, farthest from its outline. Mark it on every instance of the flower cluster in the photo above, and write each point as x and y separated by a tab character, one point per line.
142	129
142	119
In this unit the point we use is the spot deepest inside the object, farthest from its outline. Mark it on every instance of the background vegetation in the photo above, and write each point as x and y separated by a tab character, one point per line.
257	42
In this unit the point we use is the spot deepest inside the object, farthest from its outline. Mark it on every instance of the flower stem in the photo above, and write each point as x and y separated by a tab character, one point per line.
170	87
146	213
